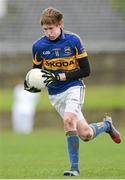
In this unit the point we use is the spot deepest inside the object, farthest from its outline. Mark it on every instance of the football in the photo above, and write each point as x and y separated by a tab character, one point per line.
34	78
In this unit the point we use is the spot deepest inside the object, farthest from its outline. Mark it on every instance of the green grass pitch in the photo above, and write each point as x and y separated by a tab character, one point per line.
97	97
43	155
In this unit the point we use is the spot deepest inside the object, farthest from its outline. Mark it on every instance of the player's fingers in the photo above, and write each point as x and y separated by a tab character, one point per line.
46	72
48	83
44	75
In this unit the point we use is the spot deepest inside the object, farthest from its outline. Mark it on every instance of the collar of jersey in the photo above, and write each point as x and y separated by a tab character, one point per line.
62	36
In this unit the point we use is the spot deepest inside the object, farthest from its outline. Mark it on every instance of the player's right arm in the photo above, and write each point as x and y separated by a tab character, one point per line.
37	59
37	63
30	89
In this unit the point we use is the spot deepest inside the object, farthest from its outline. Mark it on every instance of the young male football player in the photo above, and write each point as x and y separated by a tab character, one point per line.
62	57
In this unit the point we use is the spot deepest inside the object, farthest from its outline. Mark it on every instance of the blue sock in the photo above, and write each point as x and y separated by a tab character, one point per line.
100	127
73	150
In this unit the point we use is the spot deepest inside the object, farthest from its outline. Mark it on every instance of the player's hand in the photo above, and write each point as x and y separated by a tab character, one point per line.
32	90
50	77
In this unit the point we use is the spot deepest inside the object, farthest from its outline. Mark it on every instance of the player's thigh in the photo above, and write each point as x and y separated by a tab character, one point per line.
70	121
74	101
69	101
58	102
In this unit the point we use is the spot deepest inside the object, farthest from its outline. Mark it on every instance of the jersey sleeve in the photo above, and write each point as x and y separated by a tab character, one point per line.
37	59
79	47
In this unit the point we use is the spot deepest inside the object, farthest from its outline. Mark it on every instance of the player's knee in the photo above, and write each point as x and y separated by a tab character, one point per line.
86	135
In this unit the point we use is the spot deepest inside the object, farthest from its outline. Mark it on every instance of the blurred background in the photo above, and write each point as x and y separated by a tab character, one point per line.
101	25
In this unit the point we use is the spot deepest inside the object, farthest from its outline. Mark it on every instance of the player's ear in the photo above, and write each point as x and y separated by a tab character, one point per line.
61	24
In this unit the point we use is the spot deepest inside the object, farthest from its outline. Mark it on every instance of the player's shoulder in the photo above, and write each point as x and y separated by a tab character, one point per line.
72	35
39	42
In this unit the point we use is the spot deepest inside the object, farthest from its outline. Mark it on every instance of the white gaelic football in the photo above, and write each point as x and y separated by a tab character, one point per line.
34	78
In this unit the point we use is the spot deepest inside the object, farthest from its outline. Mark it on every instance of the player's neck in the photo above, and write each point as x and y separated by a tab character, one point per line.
58	38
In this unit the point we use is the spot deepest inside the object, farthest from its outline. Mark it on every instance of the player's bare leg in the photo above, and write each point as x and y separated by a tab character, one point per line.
88	132
74	128
85	132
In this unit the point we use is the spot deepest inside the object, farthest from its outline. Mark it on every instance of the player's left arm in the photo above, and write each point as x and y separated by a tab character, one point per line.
82	72
82	60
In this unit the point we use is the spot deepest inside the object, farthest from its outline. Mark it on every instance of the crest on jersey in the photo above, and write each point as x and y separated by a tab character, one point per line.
67	50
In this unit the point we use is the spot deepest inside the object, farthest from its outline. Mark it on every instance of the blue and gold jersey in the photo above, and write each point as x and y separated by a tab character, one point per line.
59	56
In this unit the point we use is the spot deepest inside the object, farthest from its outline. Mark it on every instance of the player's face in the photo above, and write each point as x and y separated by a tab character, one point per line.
51	31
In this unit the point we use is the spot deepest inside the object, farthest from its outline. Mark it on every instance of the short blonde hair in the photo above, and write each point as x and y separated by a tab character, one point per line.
51	16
